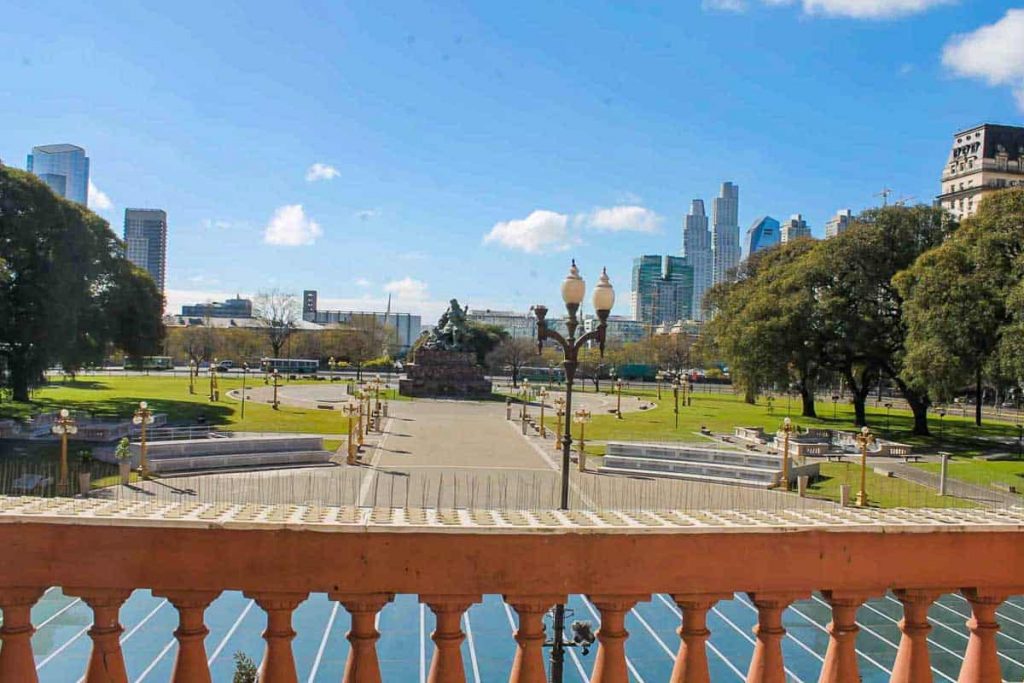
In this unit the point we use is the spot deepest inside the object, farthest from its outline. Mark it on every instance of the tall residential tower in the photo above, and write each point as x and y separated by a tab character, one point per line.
662	289
145	238
65	168
697	254
725	232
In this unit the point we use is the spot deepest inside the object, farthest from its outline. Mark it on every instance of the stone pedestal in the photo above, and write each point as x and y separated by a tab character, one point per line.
440	373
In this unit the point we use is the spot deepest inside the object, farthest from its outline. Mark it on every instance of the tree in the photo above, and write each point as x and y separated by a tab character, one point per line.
513	354
245	669
963	302
68	292
279	314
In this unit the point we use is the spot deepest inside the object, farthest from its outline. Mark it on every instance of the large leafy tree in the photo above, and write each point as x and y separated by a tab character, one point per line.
964	303
67	292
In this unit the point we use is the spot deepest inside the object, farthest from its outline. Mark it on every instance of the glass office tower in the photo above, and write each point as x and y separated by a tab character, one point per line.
145	237
65	168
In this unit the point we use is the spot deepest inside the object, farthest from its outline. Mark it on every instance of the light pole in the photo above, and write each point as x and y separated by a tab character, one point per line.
245	373
542	394
864	439
942	414
787	429
675	399
888	409
350	411
582	417
213	381
835	405
143	416
618	400
277	379
64	425
524	396
573	291
559	414
192	369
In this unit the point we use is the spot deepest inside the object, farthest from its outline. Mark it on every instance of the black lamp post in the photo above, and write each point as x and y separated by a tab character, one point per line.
573	291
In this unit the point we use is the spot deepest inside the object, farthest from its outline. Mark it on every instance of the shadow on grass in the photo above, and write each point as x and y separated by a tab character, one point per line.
178	412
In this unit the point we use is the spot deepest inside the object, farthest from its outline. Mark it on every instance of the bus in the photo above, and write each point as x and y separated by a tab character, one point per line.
149	363
289	365
542	375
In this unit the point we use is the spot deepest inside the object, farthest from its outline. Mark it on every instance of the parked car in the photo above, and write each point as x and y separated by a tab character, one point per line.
225	365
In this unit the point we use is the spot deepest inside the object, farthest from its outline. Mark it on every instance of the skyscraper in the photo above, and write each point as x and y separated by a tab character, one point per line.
697	254
839	223
65	168
795	228
725	233
762	233
145	237
662	289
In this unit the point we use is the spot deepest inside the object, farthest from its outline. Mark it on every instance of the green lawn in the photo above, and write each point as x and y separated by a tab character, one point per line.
983	472
721	412
119	396
885	492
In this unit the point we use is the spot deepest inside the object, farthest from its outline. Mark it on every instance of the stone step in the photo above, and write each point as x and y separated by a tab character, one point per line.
676	453
193	448
740	472
240	460
688	476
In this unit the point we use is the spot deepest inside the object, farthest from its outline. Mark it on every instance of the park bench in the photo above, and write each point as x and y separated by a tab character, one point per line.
909	457
835	457
1003	486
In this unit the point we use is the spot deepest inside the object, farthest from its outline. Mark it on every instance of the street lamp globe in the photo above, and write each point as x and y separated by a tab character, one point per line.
604	293
864	430
573	287
64	412
143	405
787	422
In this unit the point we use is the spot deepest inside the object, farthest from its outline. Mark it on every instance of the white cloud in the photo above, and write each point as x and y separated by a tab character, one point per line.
854	9
98	199
724	5
291	227
537	232
407	289
320	171
993	53
624	219
210	224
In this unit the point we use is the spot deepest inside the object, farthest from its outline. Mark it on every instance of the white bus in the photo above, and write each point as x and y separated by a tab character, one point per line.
289	365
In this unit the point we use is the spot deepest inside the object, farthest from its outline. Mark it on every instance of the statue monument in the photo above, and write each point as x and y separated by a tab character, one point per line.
444	364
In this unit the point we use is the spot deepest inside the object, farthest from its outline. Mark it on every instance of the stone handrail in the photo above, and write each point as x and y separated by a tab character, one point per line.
190	552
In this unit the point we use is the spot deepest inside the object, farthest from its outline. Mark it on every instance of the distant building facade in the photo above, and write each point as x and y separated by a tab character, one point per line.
762	233
793	229
838	224
231	308
406	326
697	253
620	329
65	168
725	232
662	289
145	238
516	324
983	159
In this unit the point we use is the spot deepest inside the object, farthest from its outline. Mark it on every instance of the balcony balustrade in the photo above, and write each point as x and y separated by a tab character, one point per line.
277	555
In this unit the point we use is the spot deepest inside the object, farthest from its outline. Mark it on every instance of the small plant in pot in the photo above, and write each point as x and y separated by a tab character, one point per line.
123	454
85	471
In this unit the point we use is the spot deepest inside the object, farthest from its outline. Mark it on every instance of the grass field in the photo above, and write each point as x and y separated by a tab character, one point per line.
983	472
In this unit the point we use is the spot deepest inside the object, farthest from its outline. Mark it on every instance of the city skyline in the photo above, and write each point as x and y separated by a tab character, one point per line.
412	130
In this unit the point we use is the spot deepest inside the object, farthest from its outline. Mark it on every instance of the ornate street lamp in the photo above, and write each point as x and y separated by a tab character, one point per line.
192	369
277	380
675	399
350	411
835	405
143	417
559	414
787	429
888	409
581	417
864	439
573	291
245	373
542	395
618	400
214	392
65	426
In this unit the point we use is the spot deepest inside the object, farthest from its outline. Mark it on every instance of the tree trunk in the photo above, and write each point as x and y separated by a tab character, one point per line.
977	396
19	380
515	377
807	397
749	395
860	393
918	406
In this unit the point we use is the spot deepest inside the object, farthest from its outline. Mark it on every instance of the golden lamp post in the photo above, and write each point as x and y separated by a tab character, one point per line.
581	417
542	394
143	417
524	396
787	429
864	439
350	411
277	379
559	414
192	368
618	399
214	391
360	397
675	401
245	373
65	426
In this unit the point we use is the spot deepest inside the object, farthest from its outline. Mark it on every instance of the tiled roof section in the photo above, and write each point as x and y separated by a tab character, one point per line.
29	510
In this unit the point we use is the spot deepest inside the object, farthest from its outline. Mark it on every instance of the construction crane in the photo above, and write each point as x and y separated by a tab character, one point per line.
902	201
884	194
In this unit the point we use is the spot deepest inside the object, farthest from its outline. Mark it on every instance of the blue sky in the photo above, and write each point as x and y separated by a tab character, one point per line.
362	148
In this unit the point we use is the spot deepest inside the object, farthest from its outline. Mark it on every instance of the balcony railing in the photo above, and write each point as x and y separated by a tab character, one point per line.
189	553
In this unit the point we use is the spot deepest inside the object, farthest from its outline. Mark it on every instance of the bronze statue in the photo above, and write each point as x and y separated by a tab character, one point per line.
451	329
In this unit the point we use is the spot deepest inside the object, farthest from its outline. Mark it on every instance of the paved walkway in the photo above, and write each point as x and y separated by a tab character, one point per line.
955	487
